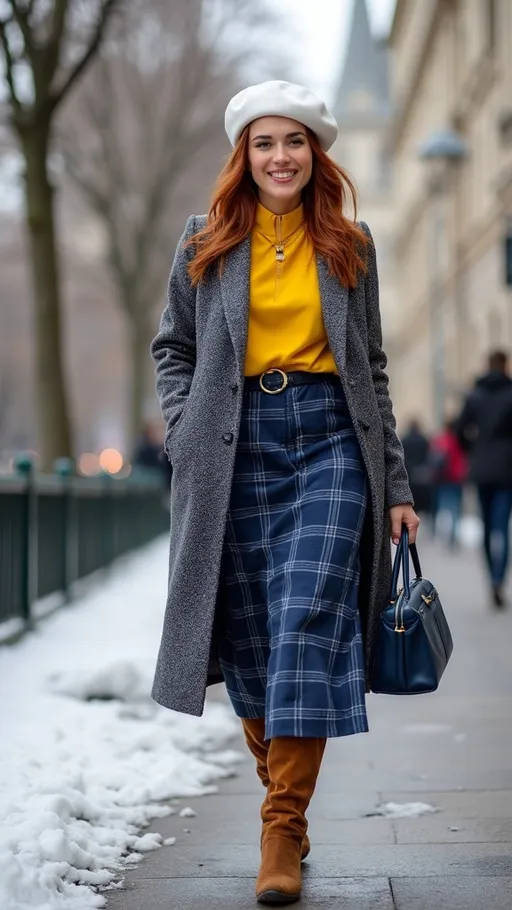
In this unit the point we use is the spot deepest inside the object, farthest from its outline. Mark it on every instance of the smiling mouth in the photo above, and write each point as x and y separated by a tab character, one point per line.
282	176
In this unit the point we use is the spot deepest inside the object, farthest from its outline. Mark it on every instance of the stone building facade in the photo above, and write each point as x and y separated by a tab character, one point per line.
362	108
451	67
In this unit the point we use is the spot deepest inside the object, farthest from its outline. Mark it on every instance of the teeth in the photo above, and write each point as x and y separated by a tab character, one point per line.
282	174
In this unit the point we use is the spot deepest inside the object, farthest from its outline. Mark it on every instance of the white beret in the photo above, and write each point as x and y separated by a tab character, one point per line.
281	99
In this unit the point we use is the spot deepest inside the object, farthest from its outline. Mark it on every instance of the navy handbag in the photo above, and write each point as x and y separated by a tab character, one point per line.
414	642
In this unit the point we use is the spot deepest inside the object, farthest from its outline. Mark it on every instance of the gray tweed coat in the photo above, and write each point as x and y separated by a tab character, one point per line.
199	353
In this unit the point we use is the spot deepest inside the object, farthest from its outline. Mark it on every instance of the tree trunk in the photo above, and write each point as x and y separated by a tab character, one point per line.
51	400
140	364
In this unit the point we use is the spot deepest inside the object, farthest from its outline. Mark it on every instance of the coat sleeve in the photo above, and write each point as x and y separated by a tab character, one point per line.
398	490
174	347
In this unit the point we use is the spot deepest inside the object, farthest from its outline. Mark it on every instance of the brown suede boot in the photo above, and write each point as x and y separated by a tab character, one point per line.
293	764
254	730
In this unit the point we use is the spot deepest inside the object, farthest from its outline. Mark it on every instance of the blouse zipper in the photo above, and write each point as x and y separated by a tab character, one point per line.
279	243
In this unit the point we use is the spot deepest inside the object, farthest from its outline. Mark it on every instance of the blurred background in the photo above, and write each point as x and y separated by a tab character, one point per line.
114	134
111	134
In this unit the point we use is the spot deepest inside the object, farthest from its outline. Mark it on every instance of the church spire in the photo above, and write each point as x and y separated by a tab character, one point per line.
363	94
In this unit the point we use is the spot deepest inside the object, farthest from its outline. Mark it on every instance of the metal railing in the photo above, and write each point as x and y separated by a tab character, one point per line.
58	529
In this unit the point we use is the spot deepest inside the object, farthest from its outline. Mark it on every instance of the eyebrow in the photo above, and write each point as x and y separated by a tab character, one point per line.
288	135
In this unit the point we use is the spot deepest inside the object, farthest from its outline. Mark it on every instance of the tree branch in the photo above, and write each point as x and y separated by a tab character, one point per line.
20	16
27	10
96	199
101	203
106	10
104	195
179	146
9	65
53	45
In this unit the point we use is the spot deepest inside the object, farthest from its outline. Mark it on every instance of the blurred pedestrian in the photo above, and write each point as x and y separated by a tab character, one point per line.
280	430
416	454
484	429
149	452
449	472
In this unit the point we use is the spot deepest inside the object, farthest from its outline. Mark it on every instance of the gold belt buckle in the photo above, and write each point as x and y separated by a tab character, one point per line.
274	391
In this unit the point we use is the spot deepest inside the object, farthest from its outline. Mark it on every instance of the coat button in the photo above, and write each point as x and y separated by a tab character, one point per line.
228	438
234	387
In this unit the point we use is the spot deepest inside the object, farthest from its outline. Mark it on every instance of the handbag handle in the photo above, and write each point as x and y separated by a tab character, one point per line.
397	562
401	560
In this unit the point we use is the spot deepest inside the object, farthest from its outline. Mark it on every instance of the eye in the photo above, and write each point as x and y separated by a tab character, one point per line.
297	141
263	144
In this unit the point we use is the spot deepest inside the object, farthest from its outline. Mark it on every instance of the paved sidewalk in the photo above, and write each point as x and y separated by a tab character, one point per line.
452	750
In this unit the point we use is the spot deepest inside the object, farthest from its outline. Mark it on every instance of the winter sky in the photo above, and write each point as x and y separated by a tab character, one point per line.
324	25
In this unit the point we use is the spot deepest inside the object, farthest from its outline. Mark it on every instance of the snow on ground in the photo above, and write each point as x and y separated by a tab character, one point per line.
404	810
86	759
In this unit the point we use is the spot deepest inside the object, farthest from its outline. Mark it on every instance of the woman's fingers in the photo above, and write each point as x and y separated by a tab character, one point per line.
403	515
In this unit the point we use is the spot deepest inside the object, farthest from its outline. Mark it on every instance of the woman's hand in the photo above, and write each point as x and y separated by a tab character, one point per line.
406	515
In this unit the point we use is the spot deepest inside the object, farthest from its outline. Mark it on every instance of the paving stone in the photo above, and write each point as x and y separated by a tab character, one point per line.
351	831
466	803
452	894
439	829
417	781
238	894
235	819
452	749
333	861
350	804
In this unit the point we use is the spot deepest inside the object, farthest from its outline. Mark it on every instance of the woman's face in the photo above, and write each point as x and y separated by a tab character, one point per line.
280	161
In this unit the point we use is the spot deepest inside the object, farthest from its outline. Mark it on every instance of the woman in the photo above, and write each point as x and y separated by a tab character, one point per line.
286	466
449	473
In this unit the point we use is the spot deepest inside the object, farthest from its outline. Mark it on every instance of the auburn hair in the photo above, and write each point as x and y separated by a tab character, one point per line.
232	212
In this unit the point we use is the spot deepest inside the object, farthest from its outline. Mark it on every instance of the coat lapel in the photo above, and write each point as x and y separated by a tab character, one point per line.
235	285
334	307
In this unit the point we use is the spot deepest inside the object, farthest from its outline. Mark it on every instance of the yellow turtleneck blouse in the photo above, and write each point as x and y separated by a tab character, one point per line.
286	327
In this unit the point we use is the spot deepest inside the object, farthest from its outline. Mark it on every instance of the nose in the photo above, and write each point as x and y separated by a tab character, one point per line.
281	155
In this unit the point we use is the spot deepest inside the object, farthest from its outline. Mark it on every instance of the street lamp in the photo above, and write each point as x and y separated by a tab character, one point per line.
441	152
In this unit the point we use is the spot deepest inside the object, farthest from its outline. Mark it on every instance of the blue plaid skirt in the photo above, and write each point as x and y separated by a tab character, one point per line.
290	647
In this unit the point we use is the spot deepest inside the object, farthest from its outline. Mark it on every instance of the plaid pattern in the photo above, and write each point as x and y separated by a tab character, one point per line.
291	647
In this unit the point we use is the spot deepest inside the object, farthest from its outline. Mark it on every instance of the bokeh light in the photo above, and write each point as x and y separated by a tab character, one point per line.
111	461
88	464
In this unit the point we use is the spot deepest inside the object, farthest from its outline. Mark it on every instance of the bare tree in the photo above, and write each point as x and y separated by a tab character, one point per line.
47	45
149	122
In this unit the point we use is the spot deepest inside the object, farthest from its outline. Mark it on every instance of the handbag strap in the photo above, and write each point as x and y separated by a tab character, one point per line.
415	560
397	562
401	561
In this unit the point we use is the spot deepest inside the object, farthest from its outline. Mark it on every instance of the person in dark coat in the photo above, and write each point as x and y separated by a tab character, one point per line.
149	452
288	475
484	428
416	456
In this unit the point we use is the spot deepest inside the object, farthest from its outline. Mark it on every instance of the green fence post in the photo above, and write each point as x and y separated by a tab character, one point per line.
25	466
65	469
108	520
136	505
